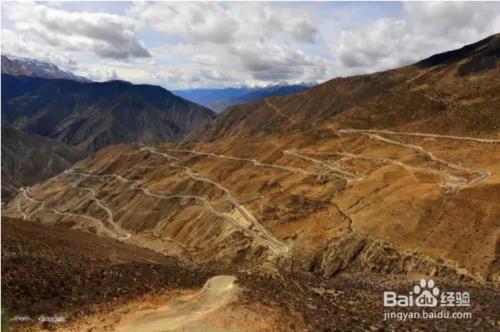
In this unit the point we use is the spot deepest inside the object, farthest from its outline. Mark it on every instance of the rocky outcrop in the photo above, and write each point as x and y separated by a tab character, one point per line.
356	252
341	253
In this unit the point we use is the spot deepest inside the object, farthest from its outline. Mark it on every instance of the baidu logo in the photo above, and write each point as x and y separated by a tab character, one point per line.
426	294
426	301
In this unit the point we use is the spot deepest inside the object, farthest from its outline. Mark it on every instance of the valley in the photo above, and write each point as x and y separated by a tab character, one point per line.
179	177
291	213
299	201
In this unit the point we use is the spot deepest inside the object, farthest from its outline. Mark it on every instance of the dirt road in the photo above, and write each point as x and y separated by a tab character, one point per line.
183	314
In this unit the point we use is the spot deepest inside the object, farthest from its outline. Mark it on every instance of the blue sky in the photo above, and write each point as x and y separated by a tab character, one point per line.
220	44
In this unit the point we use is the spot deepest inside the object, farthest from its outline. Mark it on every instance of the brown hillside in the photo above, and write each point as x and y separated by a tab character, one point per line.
329	196
454	92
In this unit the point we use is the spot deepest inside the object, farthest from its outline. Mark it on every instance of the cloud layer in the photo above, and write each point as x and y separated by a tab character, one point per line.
107	35
209	44
427	28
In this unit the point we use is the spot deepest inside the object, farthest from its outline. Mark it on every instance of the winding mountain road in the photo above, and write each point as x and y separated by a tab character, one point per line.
259	233
253	161
278	112
336	171
98	224
241	221
239	215
122	234
452	180
460	182
390	132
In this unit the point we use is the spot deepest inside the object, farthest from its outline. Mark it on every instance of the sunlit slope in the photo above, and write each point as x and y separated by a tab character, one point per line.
454	92
395	172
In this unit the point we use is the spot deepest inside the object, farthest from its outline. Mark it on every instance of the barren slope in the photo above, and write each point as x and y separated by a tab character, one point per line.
367	179
454	92
437	196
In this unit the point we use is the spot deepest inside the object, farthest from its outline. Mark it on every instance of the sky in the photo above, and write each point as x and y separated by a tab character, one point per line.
182	45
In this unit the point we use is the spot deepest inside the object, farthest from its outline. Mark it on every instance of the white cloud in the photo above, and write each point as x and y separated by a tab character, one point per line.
18	45
210	44
304	30
372	46
205	44
223	23
273	61
427	28
453	20
244	43
106	35
194	21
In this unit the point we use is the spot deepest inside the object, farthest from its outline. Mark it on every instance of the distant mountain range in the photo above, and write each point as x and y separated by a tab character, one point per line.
207	97
216	99
35	68
220	99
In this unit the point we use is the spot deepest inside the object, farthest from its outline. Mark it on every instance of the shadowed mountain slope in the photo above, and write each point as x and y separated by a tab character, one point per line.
92	115
28	159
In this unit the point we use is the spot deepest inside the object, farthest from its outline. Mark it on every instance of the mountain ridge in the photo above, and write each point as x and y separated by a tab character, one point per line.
411	97
36	68
92	115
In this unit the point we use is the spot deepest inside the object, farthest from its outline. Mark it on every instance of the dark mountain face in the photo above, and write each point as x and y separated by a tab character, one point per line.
27	159
93	115
36	68
482	55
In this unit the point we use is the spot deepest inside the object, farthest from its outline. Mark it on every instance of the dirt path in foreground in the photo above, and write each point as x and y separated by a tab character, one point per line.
182	314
